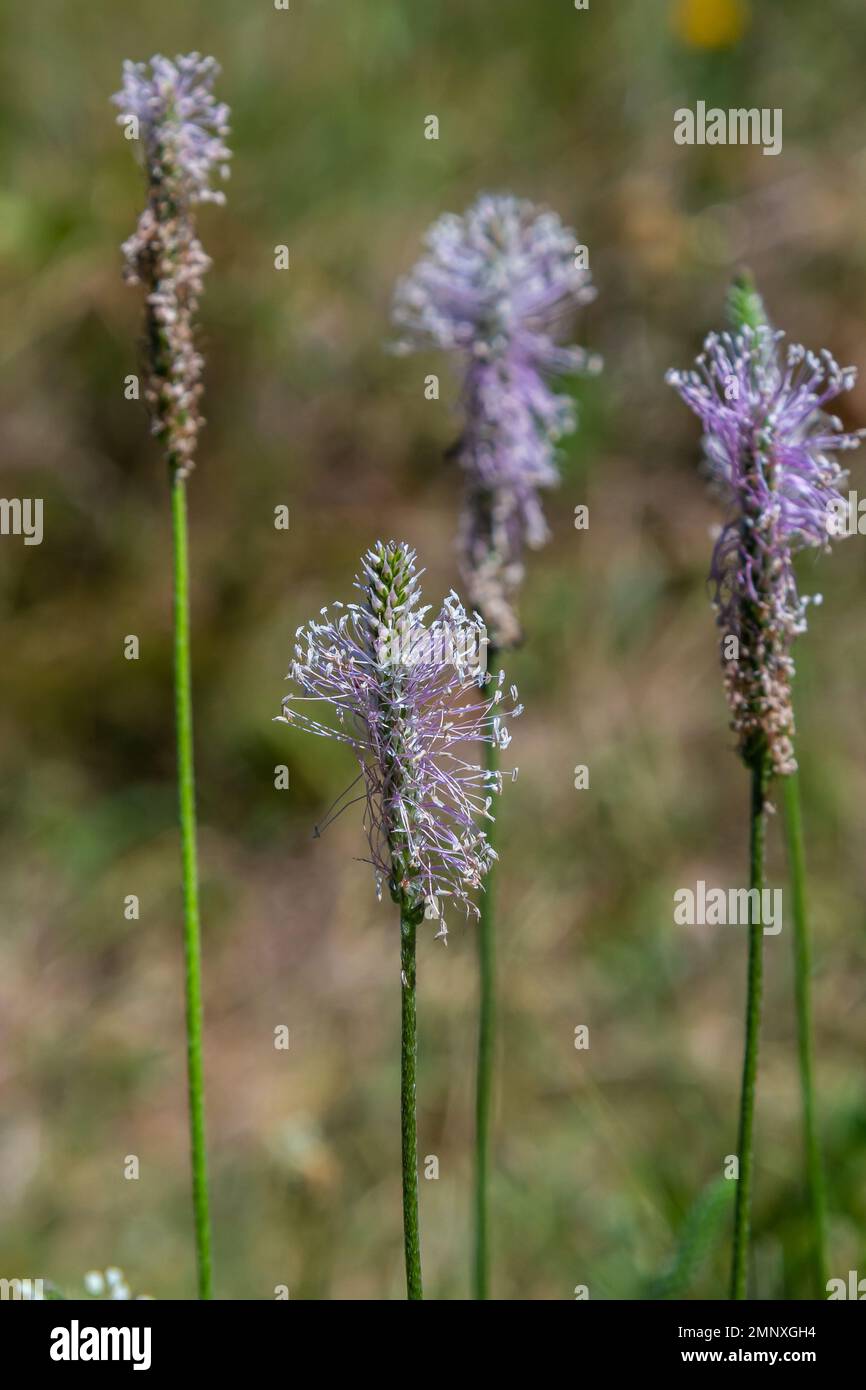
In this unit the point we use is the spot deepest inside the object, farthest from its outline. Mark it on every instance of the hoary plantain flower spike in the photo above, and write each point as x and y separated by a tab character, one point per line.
180	129
769	446
411	700
498	286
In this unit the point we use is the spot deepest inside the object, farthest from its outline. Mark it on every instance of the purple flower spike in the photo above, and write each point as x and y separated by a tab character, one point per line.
182	127
168	108
410	698
498	286
769	446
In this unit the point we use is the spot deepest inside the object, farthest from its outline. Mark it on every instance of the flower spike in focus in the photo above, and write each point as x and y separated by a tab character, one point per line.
770	448
410	699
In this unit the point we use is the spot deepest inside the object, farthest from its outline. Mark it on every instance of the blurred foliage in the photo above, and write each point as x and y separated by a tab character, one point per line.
600	1155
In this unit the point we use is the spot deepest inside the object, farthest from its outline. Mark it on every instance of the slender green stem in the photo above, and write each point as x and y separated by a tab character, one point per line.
484	1076
191	935
746	1141
803	994
408	1124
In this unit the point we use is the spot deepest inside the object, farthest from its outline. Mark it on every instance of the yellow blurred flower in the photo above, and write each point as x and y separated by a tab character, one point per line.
710	23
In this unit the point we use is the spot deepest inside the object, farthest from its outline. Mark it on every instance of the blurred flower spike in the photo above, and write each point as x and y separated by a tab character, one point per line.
181	125
181	133
497	286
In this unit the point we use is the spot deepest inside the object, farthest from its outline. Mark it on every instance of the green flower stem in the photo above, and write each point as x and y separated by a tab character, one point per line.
484	1077
408	1123
192	940
746	308
802	988
746	1141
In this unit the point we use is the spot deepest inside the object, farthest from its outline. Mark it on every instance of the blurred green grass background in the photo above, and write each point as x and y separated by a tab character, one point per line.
600	1155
